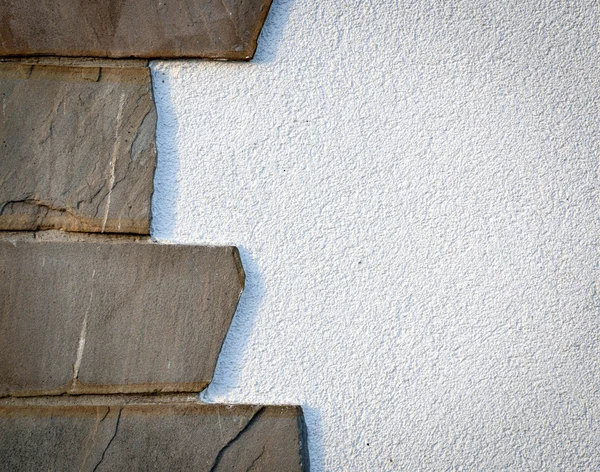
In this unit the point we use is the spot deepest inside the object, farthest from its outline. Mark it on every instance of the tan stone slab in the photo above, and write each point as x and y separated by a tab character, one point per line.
225	29
177	437
77	148
102	314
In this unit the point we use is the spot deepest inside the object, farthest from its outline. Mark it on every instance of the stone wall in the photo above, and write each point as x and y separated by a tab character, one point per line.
107	337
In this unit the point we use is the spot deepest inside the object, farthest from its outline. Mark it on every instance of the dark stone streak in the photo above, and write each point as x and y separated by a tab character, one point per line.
139	129
253	419
33	201
262	451
111	439
89	444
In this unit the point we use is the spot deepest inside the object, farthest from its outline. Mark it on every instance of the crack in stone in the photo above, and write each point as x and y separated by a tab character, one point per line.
110	441
92	438
91	199
52	115
253	419
257	459
141	128
39	203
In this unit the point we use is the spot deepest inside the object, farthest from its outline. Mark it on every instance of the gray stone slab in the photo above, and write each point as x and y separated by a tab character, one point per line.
227	29
77	148
178	437
101	314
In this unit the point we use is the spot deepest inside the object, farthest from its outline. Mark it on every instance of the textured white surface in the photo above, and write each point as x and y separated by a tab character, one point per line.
415	191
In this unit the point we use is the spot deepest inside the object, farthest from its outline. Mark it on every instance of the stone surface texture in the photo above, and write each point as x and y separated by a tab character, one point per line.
226	29
138	436
77	147
76	61
102	314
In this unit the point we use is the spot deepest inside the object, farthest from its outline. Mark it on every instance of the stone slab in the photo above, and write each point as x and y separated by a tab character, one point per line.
77	61
178	437
227	29
101	314
77	148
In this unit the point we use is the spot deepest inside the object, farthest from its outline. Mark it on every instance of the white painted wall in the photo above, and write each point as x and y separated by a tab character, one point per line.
415	191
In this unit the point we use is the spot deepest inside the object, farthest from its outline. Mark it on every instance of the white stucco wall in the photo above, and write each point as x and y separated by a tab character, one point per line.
414	188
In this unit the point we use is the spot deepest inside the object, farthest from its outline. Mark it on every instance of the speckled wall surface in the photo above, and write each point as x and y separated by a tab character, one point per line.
414	189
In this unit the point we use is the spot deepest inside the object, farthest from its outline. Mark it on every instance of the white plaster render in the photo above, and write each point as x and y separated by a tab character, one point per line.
414	188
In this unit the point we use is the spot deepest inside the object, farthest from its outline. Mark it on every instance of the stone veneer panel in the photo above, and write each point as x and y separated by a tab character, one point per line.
226	29
101	314
134	436
77	148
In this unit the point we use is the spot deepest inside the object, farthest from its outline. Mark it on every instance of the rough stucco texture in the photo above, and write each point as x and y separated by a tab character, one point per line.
415	191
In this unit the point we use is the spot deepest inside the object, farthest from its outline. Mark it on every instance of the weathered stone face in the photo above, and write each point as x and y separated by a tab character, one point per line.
77	148
101	314
226	29
175	436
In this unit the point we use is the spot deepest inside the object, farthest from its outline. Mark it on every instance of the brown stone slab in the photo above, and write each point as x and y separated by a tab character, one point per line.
77	148
101	314
225	29
178	437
